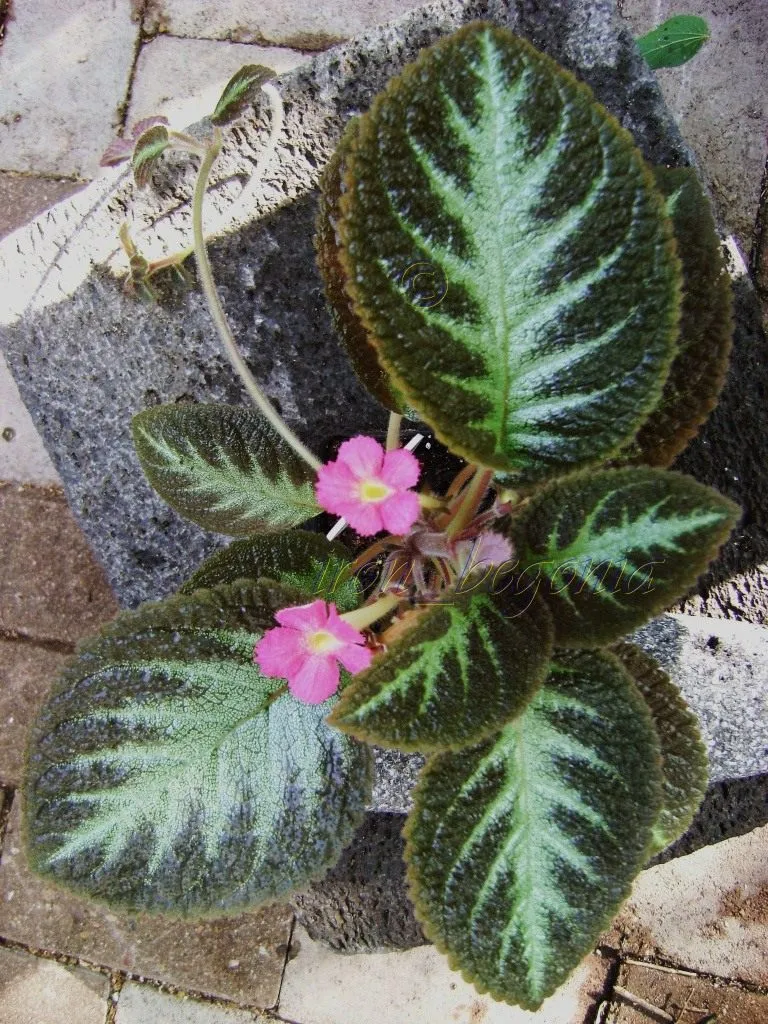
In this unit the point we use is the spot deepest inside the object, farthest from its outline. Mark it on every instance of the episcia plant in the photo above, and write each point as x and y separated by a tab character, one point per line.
503	266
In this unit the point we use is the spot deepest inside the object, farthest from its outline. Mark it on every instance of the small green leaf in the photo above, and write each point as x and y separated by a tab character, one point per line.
608	550
560	289
306	561
684	756
149	146
520	850
698	371
224	467
453	674
674	42
240	90
167	774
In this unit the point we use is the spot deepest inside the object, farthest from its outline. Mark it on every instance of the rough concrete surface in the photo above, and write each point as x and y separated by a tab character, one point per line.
37	991
25	196
238	958
63	78
23	458
140	1004
414	987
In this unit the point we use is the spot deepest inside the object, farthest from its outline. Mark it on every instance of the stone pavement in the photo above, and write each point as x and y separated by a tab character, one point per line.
690	946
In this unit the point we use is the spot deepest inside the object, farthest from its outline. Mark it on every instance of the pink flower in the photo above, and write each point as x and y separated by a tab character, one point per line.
306	649
369	487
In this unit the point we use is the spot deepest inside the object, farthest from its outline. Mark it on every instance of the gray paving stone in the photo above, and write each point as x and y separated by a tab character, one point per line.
37	991
203	66
140	1004
283	22
24	196
23	458
63	79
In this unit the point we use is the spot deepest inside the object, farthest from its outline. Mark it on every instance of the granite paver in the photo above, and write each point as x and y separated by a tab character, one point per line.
238	958
38	991
140	1004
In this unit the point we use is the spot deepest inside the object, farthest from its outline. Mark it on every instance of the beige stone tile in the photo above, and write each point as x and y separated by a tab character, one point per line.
706	912
183	78
26	674
238	958
415	986
37	991
63	78
51	586
282	22
140	1004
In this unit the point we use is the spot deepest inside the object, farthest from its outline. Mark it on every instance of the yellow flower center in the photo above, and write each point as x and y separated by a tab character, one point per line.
374	491
322	641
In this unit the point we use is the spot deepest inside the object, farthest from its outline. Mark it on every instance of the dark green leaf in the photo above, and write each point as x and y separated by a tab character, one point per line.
698	372
608	550
240	90
166	775
306	561
224	467
684	756
674	42
451	675
149	146
521	849
551	335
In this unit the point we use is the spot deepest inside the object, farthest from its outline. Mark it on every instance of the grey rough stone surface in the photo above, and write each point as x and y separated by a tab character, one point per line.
38	991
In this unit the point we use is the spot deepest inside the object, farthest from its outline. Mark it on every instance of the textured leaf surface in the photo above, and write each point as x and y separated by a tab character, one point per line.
608	550
698	372
674	42
520	849
457	674
490	164
306	561
165	776
684	756
240	90
149	146
224	467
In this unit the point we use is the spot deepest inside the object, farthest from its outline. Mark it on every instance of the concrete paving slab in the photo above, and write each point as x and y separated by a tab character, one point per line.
37	991
707	912
23	458
26	674
140	1004
183	78
282	22
683	997
238	958
720	99
24	196
63	80
51	587
414	986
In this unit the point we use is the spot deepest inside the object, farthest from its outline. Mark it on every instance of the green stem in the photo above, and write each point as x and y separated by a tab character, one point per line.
362	617
393	431
208	285
470	501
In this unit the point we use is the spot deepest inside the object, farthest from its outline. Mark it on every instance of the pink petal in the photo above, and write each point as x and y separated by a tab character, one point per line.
304	617
401	469
365	518
363	456
399	512
280	653
341	629
336	485
355	658
316	681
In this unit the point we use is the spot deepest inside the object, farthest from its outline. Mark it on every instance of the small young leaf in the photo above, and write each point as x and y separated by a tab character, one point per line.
608	550
674	42
698	371
166	774
306	561
520	850
121	149
456	675
240	90
224	467
551	335
149	146
684	756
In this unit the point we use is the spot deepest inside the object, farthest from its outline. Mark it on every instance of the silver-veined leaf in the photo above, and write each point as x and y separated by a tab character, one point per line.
684	756
148	149
306	561
451	674
550	337
240	90
520	850
609	550
224	467
674	42
167	774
